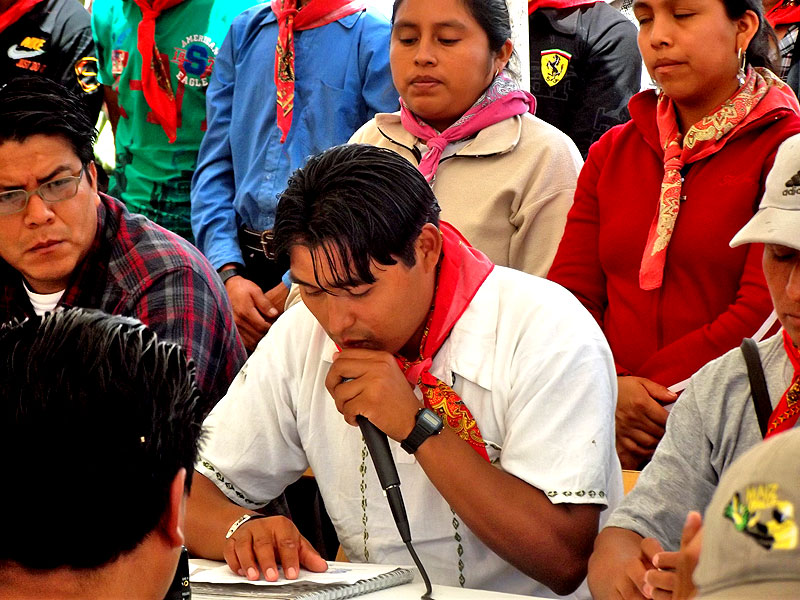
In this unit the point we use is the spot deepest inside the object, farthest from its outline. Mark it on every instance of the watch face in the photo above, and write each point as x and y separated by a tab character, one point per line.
430	420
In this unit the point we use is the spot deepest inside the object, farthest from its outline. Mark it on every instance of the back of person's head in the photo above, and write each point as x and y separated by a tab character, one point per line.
31	105
98	418
761	51
358	204
750	533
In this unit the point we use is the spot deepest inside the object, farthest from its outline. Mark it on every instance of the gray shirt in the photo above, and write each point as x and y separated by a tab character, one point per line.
712	423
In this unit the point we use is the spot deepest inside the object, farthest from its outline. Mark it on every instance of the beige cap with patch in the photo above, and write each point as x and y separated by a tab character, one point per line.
750	530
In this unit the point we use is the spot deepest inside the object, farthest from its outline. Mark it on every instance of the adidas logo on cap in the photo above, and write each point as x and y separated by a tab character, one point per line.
793	185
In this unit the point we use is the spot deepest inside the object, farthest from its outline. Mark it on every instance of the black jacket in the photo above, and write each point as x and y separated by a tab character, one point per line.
586	94
54	39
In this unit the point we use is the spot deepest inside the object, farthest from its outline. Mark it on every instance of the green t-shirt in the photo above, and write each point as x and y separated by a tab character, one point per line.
152	176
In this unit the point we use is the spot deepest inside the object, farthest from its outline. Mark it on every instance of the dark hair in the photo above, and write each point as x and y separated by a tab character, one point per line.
761	51
491	15
358	204
31	104
98	416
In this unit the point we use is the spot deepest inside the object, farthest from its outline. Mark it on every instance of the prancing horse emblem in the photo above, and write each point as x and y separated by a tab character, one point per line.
554	65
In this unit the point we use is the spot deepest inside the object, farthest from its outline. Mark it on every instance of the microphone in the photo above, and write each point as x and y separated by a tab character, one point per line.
378	446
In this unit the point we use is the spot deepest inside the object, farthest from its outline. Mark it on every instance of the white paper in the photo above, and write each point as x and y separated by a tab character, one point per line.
207	571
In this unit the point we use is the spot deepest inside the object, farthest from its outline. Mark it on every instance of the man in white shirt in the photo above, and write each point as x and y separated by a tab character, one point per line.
406	324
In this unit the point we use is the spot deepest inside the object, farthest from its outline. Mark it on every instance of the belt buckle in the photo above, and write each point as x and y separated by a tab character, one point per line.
266	238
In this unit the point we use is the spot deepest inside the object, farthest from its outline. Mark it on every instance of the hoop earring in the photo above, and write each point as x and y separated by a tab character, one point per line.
496	73
740	76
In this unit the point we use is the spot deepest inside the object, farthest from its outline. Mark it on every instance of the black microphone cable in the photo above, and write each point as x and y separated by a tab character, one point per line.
378	446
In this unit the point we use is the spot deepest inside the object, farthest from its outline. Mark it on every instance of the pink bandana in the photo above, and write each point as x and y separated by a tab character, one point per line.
501	100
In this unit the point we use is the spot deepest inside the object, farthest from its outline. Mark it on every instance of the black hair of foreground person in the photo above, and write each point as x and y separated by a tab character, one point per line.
31	105
98	417
359	204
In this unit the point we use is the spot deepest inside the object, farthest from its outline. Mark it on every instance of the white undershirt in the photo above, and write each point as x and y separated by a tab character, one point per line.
43	303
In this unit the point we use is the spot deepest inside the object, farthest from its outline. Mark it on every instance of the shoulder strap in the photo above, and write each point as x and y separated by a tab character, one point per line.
758	383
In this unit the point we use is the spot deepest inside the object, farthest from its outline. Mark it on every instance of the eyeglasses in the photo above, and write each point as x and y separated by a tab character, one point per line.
51	192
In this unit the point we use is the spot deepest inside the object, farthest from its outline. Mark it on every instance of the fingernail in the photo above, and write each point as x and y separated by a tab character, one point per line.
291	573
272	574
272	312
240	572
252	573
335	354
656	560
647	590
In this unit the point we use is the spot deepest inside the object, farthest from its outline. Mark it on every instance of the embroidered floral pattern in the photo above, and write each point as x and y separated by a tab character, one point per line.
459	549
221	478
364	519
579	493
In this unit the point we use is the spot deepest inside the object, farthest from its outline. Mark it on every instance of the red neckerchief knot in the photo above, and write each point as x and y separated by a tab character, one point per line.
312	14
786	413
156	82
462	271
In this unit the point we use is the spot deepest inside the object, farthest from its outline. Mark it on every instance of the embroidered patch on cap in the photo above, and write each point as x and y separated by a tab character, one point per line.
764	517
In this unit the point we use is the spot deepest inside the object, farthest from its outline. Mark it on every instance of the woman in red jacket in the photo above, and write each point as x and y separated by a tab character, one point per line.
659	198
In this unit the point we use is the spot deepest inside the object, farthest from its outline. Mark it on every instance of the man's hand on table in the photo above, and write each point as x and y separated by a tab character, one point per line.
256	548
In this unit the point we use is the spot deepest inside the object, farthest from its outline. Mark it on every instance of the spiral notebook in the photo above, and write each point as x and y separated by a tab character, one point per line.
211	580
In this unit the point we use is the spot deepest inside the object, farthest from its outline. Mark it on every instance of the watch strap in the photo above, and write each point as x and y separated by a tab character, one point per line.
228	272
423	429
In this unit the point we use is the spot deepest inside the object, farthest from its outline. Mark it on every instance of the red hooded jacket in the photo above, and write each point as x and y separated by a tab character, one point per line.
712	295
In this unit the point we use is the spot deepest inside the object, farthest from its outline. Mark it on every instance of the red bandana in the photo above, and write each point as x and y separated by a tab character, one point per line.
462	271
761	93
12	14
315	13
533	5
784	13
785	415
156	84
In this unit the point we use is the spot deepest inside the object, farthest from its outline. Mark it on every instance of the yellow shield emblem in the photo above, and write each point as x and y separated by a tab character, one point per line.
554	65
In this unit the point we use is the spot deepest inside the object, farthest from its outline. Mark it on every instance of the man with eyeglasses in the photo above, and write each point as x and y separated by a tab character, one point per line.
63	244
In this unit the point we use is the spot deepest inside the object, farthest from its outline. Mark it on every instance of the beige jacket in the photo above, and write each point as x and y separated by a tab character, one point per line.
508	190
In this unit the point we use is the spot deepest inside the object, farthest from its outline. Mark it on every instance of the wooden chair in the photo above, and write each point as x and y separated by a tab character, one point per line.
629	479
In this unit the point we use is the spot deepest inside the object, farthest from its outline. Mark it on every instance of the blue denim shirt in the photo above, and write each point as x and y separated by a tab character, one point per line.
342	79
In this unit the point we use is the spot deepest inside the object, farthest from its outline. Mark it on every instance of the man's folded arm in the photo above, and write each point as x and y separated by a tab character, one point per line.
548	542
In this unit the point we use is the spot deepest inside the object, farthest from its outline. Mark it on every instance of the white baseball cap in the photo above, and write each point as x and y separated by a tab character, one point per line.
778	218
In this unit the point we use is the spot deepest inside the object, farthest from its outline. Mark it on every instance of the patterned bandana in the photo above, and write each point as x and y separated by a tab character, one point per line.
785	415
761	93
15	11
314	13
534	5
156	85
462	271
501	100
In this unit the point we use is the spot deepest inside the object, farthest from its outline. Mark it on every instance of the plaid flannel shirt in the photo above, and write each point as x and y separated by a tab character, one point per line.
136	268
786	50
